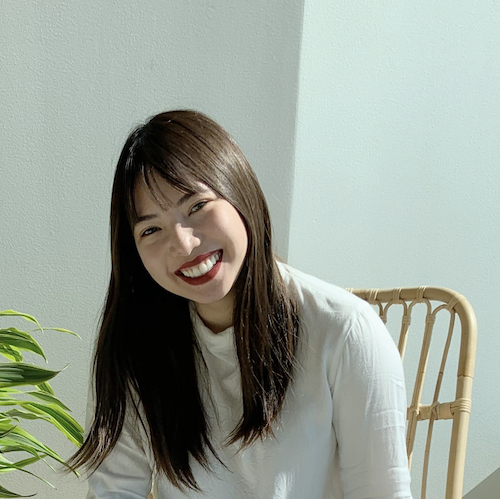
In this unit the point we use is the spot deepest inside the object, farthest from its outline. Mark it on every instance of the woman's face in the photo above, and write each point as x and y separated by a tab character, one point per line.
193	245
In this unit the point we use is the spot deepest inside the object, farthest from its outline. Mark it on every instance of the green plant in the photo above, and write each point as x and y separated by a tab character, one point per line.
25	393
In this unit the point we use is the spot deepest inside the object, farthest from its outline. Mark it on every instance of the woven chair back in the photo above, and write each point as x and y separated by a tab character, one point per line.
431	305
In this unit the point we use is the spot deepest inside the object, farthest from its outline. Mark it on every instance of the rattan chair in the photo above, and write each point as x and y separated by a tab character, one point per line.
436	301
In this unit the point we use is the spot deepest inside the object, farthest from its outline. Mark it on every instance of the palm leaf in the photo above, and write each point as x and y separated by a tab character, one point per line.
47	397
6	398
45	387
20	448
11	353
21	438
38	403
8	494
60	330
27	462
60	419
16	413
7	466
18	373
13	313
53	414
20	339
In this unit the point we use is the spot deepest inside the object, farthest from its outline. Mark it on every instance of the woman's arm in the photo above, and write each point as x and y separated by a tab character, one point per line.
126	473
369	413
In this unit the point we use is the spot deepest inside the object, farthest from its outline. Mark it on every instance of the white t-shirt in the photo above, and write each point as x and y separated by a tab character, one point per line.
341	433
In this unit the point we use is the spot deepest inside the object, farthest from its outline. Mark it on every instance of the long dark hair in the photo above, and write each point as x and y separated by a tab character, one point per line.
146	356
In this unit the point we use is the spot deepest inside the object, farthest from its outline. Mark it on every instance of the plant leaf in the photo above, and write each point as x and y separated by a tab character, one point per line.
61	330
11	353
51	413
21	438
13	313
17	374
20	448
60	419
27	462
7	467
16	413
6	400
20	339
8	494
37	403
47	397
6	427
45	387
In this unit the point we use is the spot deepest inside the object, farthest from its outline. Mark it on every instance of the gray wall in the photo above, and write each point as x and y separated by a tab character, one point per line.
75	77
487	489
397	175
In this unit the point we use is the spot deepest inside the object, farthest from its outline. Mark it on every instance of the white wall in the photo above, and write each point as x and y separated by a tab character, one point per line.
75	77
397	175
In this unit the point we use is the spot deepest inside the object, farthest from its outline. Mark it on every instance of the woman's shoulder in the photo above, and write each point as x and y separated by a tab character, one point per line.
331	315
331	318
316	293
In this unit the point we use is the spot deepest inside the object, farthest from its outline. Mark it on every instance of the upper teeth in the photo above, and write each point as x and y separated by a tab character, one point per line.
203	267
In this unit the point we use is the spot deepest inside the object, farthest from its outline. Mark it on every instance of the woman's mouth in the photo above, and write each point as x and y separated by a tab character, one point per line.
201	272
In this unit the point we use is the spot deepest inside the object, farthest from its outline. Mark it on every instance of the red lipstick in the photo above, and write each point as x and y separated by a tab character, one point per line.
197	281
196	260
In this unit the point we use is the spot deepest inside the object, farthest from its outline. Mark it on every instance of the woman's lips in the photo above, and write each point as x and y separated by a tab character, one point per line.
196	260
197	281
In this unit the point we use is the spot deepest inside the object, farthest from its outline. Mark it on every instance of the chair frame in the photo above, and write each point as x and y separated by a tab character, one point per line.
457	409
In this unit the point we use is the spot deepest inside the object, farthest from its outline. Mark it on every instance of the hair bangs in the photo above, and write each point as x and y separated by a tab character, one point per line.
178	171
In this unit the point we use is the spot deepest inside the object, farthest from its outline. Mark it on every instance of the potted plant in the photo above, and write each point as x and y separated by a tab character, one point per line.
25	393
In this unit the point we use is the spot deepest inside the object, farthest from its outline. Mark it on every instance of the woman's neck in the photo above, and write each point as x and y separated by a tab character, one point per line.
217	316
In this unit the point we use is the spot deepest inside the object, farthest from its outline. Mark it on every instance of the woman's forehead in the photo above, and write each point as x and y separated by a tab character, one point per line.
161	194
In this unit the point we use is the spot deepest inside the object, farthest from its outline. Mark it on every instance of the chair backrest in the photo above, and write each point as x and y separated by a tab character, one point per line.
435	300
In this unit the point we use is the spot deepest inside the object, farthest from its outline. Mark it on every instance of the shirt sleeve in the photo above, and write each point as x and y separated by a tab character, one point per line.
369	413
126	473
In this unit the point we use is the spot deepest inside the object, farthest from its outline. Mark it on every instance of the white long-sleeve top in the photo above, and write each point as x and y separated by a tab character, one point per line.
341	432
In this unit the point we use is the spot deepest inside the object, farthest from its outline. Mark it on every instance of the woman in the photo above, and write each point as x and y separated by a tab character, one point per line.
219	372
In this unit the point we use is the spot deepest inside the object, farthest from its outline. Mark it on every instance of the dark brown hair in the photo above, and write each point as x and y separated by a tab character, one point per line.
146	356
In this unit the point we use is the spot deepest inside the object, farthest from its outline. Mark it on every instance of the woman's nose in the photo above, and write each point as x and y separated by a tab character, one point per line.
182	241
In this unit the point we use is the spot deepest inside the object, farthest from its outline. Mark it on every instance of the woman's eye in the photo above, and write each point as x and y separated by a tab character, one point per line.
149	231
197	207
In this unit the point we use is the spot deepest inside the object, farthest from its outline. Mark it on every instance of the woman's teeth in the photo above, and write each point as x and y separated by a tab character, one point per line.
203	267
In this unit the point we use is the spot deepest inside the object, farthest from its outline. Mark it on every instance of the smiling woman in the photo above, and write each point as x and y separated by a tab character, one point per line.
219	372
202	225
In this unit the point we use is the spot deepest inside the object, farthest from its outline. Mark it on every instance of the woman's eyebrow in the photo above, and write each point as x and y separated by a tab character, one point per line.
144	218
183	199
